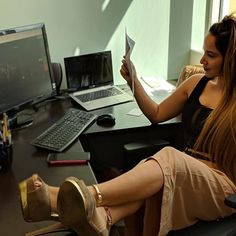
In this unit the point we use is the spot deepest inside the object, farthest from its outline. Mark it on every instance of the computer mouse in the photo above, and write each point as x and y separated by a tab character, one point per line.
106	120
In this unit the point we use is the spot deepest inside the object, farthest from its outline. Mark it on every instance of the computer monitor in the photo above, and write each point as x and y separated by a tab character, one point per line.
25	68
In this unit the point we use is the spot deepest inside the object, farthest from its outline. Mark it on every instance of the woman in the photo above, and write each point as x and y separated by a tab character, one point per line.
174	187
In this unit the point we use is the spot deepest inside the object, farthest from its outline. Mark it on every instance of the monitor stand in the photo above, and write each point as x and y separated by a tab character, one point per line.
19	121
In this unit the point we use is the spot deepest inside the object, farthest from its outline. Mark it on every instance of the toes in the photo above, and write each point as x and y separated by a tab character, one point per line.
37	181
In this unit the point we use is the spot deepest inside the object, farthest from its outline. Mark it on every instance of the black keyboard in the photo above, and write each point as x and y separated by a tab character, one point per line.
98	94
61	134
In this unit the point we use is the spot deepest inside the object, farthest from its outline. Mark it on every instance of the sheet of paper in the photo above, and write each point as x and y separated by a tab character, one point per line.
157	87
129	45
158	83
135	112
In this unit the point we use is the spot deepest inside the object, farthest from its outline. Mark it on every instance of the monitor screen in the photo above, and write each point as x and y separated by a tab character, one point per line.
25	69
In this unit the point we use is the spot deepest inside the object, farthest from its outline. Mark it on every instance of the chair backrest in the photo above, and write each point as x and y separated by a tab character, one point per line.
189	70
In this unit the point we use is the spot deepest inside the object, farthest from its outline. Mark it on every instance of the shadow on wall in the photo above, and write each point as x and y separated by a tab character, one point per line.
96	27
85	24
113	15
79	26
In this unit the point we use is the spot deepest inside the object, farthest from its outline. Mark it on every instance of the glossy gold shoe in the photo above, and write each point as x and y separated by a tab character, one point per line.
35	205
77	209
35	202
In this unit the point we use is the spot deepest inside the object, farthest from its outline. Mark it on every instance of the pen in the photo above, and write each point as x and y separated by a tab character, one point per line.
5	123
9	140
6	131
3	132
1	136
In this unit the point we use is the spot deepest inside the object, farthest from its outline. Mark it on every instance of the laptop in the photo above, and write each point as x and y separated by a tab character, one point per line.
90	81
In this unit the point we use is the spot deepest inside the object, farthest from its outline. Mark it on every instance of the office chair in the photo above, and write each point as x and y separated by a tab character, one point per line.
189	70
136	151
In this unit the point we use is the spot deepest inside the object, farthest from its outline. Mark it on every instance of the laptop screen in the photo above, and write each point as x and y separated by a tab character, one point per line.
88	71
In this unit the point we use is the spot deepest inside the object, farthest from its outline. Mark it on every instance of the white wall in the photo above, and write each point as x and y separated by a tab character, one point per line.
89	27
198	30
147	23
70	24
180	28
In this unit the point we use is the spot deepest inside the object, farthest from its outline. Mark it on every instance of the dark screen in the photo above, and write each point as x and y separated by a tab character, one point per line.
24	68
90	70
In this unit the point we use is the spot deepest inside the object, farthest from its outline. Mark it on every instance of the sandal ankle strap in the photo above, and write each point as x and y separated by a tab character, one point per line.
109	217
98	195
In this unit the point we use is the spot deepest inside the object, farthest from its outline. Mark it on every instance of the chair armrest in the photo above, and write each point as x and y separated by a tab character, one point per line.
188	71
231	201
145	146
136	151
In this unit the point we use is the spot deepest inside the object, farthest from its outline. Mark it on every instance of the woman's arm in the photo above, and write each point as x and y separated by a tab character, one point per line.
167	109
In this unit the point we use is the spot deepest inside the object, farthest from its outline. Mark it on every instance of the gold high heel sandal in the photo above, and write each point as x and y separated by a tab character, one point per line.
77	209
35	206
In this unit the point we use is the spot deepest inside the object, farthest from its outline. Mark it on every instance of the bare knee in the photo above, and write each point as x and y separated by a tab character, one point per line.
167	151
164	152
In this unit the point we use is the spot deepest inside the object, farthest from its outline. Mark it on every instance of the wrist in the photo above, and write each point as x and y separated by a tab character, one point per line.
130	82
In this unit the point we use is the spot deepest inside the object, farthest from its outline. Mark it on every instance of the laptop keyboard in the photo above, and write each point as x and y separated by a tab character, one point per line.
98	94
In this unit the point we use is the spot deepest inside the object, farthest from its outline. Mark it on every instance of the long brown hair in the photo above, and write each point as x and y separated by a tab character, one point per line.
218	136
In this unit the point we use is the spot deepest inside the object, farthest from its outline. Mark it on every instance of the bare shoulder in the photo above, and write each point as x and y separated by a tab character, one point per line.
189	84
